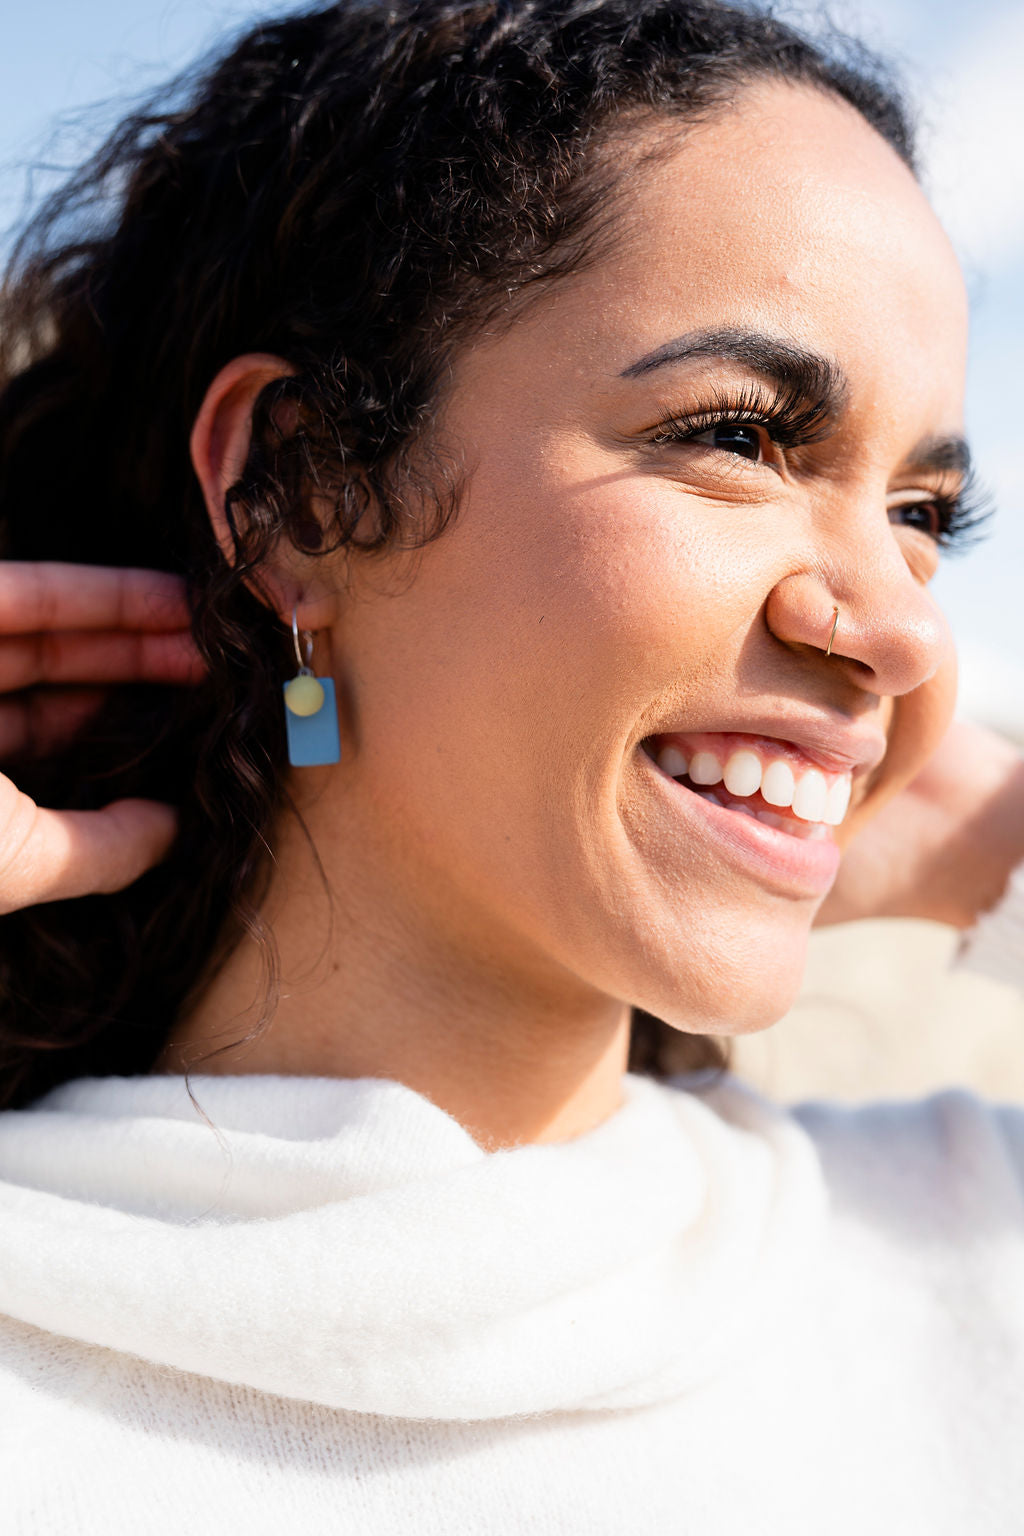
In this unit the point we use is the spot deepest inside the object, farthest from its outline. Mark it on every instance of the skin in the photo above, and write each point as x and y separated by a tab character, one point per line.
944	848
509	872
65	632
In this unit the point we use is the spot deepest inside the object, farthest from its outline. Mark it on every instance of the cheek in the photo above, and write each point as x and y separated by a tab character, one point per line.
500	688
616	593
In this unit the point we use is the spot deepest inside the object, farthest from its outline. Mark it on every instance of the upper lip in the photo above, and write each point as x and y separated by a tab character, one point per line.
832	747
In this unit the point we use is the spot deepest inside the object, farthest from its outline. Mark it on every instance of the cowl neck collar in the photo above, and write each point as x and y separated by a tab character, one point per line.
346	1242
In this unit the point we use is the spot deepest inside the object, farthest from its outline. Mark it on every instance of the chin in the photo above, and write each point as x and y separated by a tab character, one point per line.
740	984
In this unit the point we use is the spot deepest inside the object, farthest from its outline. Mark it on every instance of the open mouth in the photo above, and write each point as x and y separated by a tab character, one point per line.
755	776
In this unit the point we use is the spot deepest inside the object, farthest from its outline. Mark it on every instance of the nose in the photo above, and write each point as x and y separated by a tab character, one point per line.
889	635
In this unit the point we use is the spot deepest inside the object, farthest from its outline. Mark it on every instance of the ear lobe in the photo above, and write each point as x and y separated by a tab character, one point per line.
221	433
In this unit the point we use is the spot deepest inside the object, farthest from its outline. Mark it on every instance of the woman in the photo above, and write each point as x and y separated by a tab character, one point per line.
585	382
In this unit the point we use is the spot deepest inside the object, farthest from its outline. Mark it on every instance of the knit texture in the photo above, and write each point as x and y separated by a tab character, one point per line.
348	1243
325	1309
342	1316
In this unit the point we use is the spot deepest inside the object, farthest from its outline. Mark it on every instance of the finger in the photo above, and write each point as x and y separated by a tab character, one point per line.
51	595
55	855
104	656
36	722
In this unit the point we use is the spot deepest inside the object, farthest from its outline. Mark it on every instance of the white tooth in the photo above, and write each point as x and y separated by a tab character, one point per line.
705	768
809	796
837	802
771	820
672	762
736	805
777	783
817	832
743	773
713	798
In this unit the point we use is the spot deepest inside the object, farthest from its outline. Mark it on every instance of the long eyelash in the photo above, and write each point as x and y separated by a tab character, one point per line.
963	517
787	415
792	420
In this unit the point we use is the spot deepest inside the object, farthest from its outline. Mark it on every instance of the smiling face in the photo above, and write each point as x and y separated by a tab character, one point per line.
680	463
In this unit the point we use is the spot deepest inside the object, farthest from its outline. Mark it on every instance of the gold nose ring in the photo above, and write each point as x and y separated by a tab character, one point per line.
835	621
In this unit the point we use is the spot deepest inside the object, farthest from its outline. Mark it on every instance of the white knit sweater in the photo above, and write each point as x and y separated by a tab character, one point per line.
333	1313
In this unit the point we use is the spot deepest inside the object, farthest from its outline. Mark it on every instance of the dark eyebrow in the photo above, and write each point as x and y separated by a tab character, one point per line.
809	375
942	455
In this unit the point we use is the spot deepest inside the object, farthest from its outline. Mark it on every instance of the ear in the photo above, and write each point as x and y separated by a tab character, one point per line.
219	445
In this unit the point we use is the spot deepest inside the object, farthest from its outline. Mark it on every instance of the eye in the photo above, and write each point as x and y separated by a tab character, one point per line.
922	515
733	437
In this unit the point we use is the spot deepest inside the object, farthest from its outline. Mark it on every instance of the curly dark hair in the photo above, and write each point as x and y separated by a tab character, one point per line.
354	189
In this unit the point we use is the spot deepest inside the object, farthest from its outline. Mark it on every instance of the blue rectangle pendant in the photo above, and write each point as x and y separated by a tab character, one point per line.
313	739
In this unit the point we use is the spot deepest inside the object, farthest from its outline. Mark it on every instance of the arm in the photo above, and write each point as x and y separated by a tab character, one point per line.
62	626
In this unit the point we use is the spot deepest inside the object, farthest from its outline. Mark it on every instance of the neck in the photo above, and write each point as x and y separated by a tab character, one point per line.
378	987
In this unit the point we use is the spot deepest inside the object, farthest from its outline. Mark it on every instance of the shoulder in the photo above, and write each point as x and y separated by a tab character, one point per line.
952	1158
946	1165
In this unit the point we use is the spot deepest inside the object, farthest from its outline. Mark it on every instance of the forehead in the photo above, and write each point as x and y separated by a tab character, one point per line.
787	213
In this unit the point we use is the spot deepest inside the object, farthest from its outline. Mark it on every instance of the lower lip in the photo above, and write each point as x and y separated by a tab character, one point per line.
792	866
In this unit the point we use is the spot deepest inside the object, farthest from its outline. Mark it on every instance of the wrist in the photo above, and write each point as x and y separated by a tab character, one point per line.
995	848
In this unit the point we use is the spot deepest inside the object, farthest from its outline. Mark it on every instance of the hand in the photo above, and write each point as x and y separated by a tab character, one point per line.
67	625
945	846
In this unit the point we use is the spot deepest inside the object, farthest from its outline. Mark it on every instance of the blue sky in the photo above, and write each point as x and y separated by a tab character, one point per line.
963	64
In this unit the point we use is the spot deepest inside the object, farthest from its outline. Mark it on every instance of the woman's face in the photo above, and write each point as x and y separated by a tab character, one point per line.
633	576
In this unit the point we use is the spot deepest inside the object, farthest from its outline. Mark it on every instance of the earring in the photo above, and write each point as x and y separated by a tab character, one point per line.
310	710
832	636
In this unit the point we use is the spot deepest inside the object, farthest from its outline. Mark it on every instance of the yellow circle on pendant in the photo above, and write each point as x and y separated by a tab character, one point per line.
304	695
